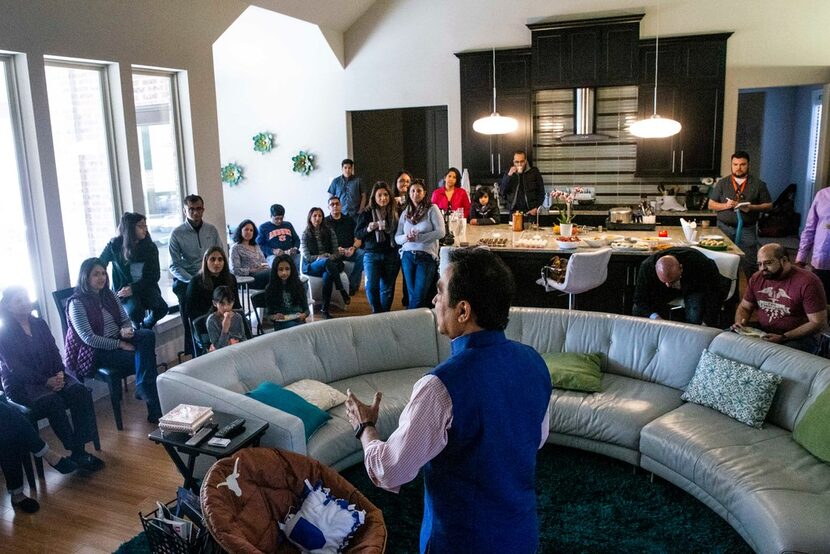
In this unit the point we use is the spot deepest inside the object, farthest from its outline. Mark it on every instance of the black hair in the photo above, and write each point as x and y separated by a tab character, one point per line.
237	235
741	155
324	227
427	201
482	191
457	177
277	210
347	161
274	289
485	282
82	285
192	199
208	281
222	293
126	230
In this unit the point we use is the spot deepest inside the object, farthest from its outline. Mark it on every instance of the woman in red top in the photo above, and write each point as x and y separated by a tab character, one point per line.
451	196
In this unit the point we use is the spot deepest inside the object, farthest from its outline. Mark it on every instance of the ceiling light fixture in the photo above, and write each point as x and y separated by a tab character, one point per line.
495	124
655	126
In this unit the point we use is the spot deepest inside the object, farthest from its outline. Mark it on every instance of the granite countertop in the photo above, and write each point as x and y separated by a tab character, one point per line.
675	238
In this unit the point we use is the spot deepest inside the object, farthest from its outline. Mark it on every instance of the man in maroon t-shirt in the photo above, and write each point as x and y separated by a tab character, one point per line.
791	304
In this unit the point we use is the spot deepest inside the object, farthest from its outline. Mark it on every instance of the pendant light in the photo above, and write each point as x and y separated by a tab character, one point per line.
494	124
655	126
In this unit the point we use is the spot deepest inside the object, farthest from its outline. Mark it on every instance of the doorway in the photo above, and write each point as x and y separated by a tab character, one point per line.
386	141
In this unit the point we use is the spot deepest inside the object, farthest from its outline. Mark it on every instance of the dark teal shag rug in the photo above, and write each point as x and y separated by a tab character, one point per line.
587	503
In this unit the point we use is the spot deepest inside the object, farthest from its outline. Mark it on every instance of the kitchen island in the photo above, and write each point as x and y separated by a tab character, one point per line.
615	296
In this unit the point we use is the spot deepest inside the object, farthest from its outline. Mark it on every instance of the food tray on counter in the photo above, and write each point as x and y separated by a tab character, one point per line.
611	226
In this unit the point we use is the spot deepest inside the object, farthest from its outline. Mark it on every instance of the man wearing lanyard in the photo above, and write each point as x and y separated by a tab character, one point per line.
741	192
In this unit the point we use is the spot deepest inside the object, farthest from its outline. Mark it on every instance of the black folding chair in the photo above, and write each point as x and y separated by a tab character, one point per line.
201	338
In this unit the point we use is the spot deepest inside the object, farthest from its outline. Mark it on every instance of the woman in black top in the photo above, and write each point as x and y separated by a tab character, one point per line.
214	272
376	227
321	257
135	271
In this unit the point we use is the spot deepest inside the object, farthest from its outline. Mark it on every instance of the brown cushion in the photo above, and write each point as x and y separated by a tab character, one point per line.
271	482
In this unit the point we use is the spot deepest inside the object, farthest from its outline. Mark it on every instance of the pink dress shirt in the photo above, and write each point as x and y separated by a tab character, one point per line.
421	435
459	200
814	247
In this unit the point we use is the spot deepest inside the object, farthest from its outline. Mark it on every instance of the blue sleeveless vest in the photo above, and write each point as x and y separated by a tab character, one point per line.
480	490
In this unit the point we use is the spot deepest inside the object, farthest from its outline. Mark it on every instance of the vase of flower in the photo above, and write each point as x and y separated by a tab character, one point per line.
566	229
565	202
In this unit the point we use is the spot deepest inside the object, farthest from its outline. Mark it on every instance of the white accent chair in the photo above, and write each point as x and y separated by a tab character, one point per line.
585	271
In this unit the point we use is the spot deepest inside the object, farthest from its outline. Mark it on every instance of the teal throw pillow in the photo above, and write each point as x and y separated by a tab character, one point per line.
738	390
574	370
813	430
292	403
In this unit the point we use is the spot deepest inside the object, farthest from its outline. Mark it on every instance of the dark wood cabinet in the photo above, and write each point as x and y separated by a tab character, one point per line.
486	157
586	53
690	83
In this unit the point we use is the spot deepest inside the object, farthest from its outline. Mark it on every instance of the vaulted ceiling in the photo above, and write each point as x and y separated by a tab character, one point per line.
334	15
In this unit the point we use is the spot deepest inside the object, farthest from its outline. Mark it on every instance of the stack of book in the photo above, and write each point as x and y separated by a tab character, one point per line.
185	418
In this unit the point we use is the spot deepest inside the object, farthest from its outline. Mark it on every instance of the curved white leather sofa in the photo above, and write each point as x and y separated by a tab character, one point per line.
771	490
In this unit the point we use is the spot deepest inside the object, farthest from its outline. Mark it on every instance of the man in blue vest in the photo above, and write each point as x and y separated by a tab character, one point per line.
474	423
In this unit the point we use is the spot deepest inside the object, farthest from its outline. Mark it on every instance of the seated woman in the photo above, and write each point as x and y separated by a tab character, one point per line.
420	228
286	302
19	438
451	196
135	271
321	258
33	376
376	226
214	273
224	325
99	334
247	258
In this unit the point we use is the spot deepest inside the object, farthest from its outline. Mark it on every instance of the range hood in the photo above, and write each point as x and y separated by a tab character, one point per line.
584	115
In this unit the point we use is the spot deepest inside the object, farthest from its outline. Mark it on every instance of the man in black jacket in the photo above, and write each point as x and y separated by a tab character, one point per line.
680	273
348	246
522	187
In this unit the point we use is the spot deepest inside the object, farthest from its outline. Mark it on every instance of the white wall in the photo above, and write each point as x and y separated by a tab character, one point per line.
278	74
406	46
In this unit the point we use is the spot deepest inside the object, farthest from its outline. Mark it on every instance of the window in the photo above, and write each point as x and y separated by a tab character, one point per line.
159	146
815	133
17	246
79	107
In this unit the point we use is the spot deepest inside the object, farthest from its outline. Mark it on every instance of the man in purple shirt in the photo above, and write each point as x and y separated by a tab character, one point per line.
814	248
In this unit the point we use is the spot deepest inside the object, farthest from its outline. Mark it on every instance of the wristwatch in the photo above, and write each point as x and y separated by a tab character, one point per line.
362	427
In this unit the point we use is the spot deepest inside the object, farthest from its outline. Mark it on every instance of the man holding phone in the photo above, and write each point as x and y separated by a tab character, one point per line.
522	187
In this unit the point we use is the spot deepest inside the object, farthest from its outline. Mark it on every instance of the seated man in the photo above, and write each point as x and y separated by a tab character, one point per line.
792	306
347	245
277	237
680	273
33	375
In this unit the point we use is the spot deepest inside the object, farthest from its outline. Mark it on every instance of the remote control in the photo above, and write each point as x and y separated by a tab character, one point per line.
231	429
200	436
218	443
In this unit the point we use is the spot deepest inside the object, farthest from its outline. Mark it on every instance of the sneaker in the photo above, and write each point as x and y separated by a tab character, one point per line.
87	462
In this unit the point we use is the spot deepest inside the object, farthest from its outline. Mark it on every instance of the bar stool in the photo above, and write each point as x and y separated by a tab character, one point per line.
585	271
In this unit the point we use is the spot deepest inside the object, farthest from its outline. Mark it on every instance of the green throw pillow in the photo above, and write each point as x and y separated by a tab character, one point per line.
292	403
813	431
574	371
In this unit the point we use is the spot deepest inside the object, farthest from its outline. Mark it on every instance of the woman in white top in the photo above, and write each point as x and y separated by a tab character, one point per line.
247	258
420	228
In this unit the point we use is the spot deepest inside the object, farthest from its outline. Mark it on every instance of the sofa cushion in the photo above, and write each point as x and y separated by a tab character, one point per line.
317	393
292	403
574	371
614	415
738	390
813	430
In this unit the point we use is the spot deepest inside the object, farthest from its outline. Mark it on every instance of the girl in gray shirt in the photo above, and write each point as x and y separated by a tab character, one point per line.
224	325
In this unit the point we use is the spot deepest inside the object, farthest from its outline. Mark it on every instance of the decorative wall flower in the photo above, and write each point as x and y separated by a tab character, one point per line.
232	174
303	162
263	142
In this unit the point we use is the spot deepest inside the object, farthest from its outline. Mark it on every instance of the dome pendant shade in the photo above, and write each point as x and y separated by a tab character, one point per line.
495	124
654	127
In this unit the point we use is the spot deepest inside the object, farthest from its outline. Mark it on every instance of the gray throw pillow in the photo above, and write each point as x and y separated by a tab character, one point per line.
738	390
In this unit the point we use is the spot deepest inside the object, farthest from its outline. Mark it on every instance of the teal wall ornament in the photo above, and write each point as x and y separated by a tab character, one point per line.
263	142
303	163
232	174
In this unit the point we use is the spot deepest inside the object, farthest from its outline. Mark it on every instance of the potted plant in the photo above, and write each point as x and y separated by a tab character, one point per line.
565	200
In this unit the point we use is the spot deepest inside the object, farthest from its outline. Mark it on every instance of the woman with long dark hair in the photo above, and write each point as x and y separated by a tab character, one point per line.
376	226
286	302
402	183
321	258
213	273
247	259
420	228
451	196
135	271
100	334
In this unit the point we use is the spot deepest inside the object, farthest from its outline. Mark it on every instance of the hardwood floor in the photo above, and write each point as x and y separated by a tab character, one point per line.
96	513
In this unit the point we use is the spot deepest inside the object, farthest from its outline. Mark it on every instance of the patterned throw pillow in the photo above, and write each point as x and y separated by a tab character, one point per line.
738	390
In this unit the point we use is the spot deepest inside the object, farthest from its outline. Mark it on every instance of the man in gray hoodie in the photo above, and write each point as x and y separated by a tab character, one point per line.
188	243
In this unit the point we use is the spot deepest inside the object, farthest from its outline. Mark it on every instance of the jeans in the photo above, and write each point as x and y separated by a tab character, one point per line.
137	304
142	361
329	270
180	290
78	399
294	257
357	271
748	243
18	438
381	273
419	274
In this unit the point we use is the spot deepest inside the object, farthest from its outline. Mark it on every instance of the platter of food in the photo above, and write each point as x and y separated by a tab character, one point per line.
493	242
627	246
534	241
712	244
567	243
